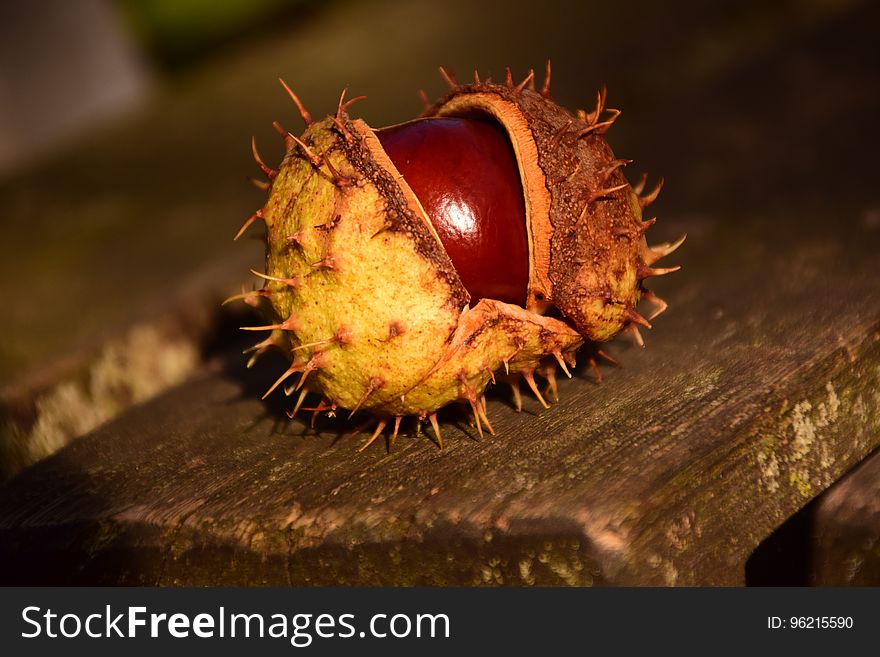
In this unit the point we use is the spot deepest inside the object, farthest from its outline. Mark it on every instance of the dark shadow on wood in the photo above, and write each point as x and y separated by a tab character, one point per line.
830	542
784	558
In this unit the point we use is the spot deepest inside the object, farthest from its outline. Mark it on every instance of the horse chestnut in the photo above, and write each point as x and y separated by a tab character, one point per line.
405	266
464	173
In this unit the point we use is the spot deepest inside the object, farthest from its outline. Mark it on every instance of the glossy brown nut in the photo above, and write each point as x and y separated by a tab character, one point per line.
465	175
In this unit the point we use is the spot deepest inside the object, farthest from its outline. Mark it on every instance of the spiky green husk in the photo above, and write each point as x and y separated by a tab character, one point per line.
366	299
366	302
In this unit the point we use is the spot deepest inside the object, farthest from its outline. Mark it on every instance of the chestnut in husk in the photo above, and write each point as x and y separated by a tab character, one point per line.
406	266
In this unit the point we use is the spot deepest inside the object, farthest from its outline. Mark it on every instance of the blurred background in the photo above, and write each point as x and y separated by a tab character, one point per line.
125	129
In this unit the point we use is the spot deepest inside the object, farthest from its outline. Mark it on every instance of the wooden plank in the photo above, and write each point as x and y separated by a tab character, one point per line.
758	390
845	537
131	362
833	541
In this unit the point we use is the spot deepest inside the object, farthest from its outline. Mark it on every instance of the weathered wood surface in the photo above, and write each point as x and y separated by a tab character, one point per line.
845	545
833	541
758	390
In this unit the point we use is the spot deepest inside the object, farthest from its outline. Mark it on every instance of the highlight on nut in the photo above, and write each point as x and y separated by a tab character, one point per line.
488	240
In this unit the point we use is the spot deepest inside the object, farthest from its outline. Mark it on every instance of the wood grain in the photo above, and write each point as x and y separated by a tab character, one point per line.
845	537
758	389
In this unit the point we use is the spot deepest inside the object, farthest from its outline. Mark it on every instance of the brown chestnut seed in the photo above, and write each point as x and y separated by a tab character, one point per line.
383	304
464	173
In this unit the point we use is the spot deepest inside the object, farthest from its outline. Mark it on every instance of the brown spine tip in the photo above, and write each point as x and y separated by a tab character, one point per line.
394	431
645	225
314	363
598	128
647	272
338	179
290	371
558	135
344	107
379	428
519	346
436	426
647	199
292	282
323	405
654	253
449	77
632	315
636	335
316	343
660	304
593	117
289	324
260	348
303	112
530	380
269	171
474	408
602	354
375	383
545	88
339	110
256	215
615	113
299	402
288	138
639	187
481	409
517	395
559	359
594	367
601	193
529	79
508	77
340	127
316	160
271	341
259	184
426	101
606	173
552	386
250	298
